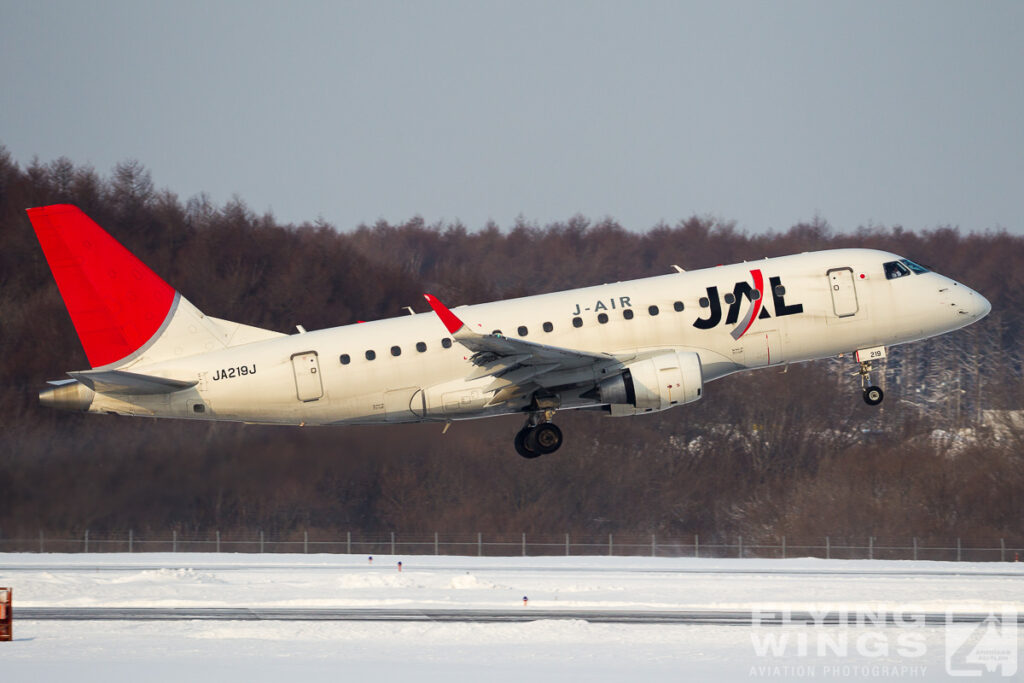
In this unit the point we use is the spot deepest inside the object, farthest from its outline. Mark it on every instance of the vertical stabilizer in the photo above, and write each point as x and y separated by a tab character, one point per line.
124	314
117	304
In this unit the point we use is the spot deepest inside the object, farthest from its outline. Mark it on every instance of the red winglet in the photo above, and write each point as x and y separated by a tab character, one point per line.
450	320
116	303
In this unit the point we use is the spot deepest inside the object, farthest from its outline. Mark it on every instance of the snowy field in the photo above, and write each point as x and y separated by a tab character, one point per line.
539	650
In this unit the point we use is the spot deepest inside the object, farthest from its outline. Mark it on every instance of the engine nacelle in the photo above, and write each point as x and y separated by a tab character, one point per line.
658	383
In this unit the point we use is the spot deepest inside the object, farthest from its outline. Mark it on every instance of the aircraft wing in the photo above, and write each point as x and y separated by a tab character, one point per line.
517	365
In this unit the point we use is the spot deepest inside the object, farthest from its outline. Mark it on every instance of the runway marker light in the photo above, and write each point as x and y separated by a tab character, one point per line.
370	559
525	600
6	615
399	566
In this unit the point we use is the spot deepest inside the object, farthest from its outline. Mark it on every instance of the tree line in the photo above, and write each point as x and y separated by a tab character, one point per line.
768	453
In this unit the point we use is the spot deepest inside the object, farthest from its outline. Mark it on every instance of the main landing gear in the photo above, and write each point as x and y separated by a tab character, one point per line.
873	395
539	436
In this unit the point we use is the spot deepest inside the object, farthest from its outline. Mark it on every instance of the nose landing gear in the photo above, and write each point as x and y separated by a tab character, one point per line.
873	395
539	436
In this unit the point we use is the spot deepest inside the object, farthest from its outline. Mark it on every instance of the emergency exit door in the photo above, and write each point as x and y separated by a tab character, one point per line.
844	292
308	386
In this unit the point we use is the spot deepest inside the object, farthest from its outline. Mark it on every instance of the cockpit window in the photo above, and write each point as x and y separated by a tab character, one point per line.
895	269
913	266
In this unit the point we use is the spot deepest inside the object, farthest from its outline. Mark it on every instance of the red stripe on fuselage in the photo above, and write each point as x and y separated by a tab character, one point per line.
759	286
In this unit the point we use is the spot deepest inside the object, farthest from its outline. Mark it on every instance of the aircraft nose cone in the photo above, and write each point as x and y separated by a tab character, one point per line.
973	305
982	306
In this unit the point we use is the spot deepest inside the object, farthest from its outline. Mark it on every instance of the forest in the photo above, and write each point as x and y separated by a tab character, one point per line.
791	451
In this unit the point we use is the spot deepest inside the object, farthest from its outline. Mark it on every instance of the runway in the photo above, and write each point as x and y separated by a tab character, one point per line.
264	617
864	571
524	614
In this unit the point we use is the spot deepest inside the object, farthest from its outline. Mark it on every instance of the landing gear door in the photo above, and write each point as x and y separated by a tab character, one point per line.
308	386
844	292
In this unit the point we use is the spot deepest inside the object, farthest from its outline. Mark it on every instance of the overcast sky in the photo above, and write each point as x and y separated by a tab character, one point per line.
766	113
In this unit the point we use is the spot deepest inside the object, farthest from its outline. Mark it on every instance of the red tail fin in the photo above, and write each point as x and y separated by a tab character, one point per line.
116	303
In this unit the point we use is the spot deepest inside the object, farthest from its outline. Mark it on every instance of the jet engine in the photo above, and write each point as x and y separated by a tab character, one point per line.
657	383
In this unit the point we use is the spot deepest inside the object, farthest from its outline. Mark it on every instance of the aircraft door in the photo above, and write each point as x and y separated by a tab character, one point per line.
844	292
308	386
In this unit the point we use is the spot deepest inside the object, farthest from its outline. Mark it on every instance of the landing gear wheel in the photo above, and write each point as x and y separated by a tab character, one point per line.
539	436
873	396
544	438
522	447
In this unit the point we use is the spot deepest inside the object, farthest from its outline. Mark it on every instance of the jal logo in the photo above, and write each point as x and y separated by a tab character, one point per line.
748	297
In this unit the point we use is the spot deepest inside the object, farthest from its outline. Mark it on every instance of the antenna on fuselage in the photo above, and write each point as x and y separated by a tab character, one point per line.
678	269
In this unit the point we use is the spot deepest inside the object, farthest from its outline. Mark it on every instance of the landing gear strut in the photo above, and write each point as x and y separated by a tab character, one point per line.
873	395
539	436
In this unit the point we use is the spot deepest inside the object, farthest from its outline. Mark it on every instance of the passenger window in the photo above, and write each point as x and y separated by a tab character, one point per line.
780	290
345	359
627	314
678	306
755	295
895	269
522	331
396	350
577	322
653	310
421	347
370	355
602	318
704	302
730	298
548	327
446	343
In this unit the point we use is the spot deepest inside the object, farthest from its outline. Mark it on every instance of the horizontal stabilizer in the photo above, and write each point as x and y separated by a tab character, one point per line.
121	382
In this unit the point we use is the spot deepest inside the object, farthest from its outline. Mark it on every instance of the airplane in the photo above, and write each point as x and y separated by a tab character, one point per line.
625	348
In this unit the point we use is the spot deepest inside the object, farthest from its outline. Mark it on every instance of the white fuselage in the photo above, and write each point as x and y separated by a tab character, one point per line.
832	302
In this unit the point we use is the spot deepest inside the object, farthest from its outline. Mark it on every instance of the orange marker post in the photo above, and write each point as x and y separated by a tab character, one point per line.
6	615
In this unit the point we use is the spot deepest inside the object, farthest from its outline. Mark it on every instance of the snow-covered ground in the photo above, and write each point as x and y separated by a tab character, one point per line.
537	650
